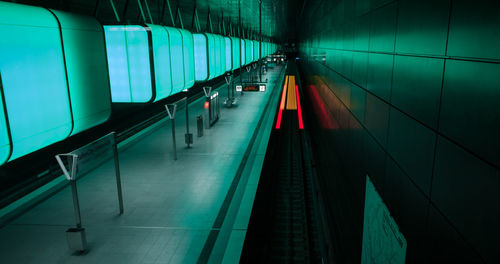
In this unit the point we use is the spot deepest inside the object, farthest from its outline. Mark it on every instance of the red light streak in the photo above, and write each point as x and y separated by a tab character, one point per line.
299	109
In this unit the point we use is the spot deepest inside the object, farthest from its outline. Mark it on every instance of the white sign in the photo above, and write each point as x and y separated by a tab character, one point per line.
382	241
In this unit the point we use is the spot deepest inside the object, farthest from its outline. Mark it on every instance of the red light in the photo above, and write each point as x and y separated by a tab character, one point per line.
299	110
326	120
278	123
207	104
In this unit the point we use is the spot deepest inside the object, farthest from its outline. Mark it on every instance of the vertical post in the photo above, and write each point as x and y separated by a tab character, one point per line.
76	203
171	115
188	136
173	138
118	175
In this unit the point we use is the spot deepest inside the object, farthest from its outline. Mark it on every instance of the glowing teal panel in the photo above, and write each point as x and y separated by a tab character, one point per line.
116	50
236	52
222	55
222	50
85	55
249	51
188	53
200	57
252	50
256	54
243	52
139	67
176	59
229	50
161	57
34	79
212	66
219	68
4	134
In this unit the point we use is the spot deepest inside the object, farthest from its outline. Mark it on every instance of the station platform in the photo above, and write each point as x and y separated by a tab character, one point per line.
191	210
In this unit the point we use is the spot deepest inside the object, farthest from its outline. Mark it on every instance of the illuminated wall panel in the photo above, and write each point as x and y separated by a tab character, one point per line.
117	63
252	50
85	54
229	50
128	54
176	59
188	56
212	66
139	64
248	51
200	57
243	52
5	146
222	51
256	54
34	79
161	57
218	55
236	52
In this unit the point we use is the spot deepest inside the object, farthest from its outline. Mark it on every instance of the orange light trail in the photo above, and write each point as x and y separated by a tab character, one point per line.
282	105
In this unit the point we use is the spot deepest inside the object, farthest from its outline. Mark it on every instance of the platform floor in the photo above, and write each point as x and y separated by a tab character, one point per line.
170	206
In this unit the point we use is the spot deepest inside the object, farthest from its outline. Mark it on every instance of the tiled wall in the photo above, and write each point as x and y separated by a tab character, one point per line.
413	90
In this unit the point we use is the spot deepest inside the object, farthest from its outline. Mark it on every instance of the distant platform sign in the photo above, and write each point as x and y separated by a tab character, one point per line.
383	243
251	87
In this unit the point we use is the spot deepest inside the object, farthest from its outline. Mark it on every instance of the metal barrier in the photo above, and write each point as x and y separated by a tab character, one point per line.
80	161
171	110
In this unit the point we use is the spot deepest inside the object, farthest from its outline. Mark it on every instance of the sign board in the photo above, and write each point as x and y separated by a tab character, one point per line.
383	243
251	87
254	88
92	155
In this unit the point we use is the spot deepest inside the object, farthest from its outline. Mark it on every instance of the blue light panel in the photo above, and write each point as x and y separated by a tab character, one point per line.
200	57
229	50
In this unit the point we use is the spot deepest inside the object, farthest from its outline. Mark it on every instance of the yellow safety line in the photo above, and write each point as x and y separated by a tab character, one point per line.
291	102
283	96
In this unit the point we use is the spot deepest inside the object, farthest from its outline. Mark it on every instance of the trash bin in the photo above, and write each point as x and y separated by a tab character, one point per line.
199	123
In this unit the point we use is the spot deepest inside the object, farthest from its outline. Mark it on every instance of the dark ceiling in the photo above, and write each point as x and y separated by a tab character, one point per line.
278	16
